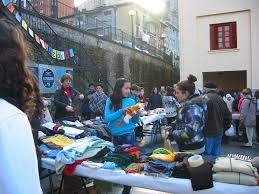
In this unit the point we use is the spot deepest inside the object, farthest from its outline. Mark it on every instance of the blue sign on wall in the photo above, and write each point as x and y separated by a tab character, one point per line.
48	78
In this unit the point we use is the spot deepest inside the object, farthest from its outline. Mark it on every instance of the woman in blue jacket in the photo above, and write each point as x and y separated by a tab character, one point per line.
119	101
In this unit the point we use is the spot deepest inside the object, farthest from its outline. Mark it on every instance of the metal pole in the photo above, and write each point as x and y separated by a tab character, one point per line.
132	32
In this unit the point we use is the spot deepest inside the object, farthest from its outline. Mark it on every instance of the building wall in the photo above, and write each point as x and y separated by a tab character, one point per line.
195	55
66	8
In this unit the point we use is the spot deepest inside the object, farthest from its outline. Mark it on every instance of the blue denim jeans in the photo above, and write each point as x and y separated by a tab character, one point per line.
213	146
128	138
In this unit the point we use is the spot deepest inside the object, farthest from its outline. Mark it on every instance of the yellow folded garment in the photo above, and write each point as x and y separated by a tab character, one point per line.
57	141
164	157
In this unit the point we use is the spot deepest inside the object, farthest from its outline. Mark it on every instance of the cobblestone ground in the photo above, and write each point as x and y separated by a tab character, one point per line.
231	147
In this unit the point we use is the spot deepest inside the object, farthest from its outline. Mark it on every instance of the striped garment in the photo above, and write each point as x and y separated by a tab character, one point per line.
240	157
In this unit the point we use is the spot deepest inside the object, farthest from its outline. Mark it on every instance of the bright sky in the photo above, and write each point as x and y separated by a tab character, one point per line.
155	6
78	2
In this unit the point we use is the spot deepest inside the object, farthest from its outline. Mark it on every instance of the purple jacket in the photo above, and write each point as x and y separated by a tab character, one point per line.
248	112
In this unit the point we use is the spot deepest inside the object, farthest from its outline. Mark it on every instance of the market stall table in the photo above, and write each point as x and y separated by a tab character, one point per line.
171	185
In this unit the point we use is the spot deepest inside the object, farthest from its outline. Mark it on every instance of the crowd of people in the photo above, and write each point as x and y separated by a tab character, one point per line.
198	121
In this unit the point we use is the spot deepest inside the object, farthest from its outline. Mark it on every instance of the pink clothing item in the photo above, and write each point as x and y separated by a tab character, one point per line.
240	104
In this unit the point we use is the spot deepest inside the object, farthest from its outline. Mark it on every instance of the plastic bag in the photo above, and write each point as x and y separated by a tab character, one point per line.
231	131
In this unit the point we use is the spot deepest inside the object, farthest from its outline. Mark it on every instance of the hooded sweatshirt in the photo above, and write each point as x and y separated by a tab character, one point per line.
248	112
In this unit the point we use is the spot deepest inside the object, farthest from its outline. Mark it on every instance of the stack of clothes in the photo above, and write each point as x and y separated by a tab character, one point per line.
90	147
162	161
235	171
124	156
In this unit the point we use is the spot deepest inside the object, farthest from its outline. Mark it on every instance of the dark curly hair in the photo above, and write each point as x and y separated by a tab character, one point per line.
187	85
17	84
116	97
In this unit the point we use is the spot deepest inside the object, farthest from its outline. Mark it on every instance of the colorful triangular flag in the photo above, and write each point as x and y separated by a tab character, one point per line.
50	50
54	53
71	53
24	25
42	43
6	2
62	55
18	17
58	55
30	32
46	46
37	38
11	8
66	54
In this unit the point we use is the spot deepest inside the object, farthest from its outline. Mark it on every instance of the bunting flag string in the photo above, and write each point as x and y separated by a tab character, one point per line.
56	54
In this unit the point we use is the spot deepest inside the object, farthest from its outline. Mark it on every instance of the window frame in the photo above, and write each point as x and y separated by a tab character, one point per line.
223	36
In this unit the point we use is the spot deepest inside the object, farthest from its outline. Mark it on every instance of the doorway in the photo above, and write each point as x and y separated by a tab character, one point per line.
227	80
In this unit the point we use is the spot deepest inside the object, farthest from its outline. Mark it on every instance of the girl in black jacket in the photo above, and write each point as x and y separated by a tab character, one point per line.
155	100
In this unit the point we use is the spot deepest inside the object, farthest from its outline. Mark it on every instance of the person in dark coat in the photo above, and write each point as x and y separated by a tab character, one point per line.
64	98
86	111
155	100
218	120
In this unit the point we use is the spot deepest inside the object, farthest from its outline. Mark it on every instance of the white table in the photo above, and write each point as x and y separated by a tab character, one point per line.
171	185
152	118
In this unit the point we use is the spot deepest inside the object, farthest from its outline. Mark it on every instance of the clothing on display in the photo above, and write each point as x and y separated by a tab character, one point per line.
225	164
135	168
160	167
121	160
70	168
57	141
235	178
51	153
128	150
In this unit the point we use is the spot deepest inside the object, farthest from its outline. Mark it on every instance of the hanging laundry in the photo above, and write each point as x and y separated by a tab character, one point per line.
71	53
37	38
18	17
6	2
54	53
42	43
30	32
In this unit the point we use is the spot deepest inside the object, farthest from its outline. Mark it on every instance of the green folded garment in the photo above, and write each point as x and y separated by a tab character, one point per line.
121	160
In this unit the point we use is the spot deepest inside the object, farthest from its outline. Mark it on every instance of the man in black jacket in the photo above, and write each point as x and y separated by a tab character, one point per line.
218	120
65	97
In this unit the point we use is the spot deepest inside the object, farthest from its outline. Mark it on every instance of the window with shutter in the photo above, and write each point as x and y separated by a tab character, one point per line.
223	36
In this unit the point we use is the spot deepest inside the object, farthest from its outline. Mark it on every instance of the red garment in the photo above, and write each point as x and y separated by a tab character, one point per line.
133	151
68	92
70	168
142	99
240	104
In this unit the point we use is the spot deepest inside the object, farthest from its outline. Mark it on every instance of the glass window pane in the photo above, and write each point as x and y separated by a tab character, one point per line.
226	28
219	39
220	45
227	39
219	34
220	28
227	44
226	34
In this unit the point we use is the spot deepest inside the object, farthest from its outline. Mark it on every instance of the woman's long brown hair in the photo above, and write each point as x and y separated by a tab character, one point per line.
17	84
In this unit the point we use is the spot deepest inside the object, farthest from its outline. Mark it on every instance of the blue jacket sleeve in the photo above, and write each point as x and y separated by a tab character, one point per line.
109	115
135	119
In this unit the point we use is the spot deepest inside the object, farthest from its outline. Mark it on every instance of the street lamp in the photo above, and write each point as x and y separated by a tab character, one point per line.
132	13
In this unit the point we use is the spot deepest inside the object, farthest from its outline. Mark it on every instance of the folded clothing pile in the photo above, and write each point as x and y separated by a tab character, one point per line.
160	167
233	171
128	150
56	142
255	163
135	168
72	132
163	155
86	148
121	160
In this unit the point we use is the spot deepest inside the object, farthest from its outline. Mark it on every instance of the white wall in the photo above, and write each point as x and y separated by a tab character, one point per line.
195	55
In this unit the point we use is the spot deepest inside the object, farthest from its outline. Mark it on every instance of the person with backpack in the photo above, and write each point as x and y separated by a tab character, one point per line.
248	115
218	120
187	130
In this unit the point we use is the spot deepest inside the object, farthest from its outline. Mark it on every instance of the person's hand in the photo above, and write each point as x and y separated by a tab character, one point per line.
69	109
81	96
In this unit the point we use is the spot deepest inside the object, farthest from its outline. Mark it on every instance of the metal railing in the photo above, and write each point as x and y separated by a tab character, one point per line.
91	25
